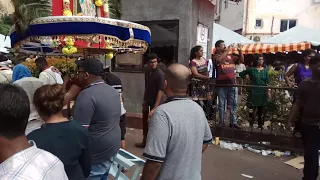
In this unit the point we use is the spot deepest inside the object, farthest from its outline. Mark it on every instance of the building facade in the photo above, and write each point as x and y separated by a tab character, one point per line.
174	27
261	19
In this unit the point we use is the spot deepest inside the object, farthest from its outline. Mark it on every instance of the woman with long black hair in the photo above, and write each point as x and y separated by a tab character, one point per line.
199	71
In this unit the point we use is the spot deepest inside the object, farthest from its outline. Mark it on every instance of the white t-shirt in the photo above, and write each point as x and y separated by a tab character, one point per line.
30	85
210	68
49	77
239	68
5	75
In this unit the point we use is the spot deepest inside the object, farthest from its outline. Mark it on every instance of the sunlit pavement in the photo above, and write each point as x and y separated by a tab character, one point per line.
222	164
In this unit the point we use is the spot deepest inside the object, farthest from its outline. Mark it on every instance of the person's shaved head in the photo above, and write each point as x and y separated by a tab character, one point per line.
178	78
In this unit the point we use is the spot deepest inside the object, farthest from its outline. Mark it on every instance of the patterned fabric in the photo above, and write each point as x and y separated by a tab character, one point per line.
302	73
202	67
257	95
32	164
175	138
199	90
226	70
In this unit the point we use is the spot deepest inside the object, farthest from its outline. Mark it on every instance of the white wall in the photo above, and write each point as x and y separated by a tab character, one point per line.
306	12
232	16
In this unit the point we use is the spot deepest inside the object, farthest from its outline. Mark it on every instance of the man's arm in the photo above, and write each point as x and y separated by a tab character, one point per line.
295	110
241	56
71	94
85	158
151	170
294	113
158	99
84	109
207	138
160	87
158	139
220	59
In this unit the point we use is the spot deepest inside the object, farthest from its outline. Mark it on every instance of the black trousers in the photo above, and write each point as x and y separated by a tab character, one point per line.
259	110
310	138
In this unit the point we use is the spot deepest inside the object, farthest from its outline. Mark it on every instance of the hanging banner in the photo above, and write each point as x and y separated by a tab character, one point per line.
202	38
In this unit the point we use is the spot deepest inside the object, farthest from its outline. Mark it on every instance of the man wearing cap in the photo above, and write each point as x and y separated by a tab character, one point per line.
98	107
153	93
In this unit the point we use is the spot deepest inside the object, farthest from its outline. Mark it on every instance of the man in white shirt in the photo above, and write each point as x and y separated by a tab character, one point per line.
210	68
5	70
22	77
178	132
20	159
49	74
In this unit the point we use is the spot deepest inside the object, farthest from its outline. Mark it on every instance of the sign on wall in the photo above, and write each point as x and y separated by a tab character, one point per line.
202	38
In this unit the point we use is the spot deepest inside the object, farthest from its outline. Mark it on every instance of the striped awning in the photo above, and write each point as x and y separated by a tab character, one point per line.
270	48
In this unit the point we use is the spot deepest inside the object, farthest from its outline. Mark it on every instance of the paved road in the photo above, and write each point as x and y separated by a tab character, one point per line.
222	164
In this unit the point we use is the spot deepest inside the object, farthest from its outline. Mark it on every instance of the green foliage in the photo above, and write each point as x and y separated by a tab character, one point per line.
279	105
6	21
4	28
27	10
115	9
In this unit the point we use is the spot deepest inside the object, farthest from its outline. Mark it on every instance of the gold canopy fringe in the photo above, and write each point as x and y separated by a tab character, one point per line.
92	40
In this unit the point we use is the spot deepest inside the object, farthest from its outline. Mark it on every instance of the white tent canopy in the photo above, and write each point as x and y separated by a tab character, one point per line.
228	36
295	35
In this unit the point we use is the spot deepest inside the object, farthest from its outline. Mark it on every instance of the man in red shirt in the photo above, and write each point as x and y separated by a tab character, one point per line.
225	66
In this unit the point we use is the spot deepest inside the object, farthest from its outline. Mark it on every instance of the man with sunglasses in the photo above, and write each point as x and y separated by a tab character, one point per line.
153	94
98	107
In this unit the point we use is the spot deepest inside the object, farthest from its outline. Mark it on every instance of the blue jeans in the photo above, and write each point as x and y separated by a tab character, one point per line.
100	171
230	93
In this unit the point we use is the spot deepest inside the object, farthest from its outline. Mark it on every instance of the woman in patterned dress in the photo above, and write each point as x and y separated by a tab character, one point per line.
258	96
199	70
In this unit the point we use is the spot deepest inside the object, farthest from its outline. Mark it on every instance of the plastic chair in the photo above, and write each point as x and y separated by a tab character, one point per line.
126	160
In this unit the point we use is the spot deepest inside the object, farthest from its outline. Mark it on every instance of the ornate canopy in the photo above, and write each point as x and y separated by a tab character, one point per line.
88	33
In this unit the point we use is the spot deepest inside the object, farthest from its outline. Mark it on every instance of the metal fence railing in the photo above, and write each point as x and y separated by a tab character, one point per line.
274	114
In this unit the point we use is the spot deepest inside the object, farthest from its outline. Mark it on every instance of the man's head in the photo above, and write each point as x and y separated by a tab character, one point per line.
308	54
220	45
177	79
89	70
153	61
315	66
41	63
14	112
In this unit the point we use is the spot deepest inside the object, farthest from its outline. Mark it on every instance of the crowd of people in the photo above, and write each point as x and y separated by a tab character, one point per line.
34	123
40	139
228	68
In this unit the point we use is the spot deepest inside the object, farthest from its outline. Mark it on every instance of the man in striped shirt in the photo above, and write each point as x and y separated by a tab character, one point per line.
225	65
20	159
115	82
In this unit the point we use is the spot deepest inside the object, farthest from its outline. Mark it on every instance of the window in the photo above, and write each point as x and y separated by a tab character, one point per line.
259	23
226	4
287	24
